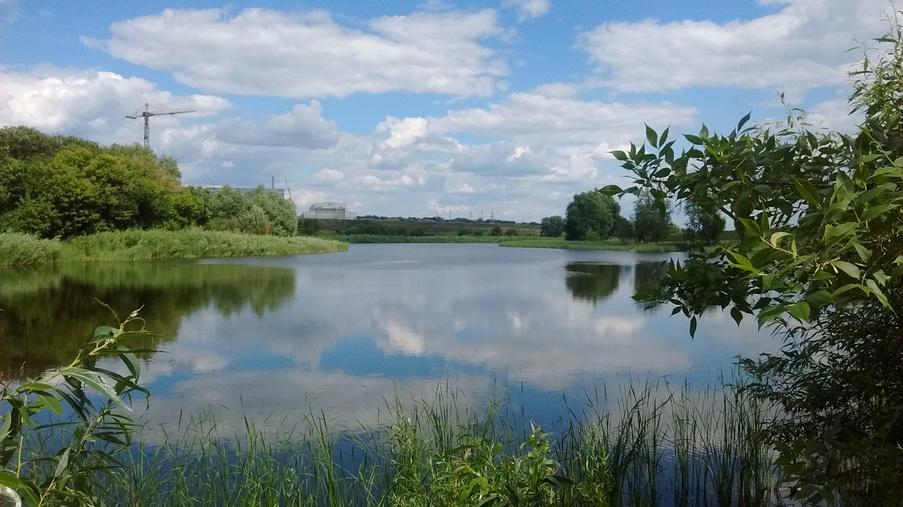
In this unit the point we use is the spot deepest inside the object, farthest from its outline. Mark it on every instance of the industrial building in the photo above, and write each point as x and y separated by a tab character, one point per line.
328	211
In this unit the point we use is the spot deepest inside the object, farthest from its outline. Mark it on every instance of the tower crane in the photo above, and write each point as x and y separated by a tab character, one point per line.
146	114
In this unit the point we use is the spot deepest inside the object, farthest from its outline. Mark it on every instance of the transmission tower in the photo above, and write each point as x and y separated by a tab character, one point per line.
146	114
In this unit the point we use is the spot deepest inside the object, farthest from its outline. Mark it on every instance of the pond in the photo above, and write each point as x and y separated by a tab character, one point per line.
277	338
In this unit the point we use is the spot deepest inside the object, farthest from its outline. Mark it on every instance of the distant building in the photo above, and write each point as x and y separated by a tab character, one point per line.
328	211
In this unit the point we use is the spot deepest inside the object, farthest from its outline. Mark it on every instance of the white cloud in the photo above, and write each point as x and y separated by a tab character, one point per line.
533	116
303	127
329	175
834	115
801	46
528	9
92	103
269	52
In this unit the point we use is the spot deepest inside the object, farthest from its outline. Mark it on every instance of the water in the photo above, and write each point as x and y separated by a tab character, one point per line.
277	337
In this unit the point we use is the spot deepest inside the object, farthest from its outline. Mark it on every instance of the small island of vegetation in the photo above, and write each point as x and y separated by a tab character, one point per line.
64	199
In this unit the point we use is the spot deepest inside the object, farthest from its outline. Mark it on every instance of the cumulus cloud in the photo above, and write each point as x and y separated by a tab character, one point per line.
834	114
91	103
270	52
329	175
526	134
302	127
528	9
801	46
538	116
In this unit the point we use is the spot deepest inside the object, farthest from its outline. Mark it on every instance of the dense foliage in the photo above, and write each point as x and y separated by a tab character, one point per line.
55	186
651	218
820	258
551	227
703	225
591	215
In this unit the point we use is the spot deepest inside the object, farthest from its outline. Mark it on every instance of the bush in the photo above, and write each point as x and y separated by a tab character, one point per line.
26	250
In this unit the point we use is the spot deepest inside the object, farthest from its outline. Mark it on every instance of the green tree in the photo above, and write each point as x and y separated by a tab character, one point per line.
651	218
624	228
703	225
551	227
591	212
821	262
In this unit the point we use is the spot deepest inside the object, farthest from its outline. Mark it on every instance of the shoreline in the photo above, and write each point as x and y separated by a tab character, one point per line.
614	245
23	250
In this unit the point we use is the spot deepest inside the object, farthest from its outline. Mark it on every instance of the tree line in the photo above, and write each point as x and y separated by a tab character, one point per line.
595	215
60	186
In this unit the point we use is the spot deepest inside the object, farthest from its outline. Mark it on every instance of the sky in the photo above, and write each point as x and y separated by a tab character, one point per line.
471	109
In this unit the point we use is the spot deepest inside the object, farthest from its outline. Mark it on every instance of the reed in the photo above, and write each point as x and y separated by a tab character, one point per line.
26	250
133	245
655	445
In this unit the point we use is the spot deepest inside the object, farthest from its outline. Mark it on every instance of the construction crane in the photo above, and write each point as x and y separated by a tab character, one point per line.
146	114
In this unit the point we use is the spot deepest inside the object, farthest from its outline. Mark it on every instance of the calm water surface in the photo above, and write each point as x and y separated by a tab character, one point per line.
277	337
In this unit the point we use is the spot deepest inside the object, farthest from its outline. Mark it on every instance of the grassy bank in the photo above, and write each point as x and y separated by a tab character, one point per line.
24	250
606	244
657	447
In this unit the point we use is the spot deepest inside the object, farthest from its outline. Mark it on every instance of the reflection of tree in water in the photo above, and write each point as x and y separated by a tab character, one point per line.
591	281
49	313
648	275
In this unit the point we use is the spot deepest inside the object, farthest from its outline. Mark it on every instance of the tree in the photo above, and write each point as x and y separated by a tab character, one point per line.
821	263
589	212
703	225
651	218
551	227
624	228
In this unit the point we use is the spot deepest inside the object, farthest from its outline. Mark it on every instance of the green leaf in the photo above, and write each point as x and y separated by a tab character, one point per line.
737	315
694	139
611	190
651	136
619	155
104	332
62	463
820	298
743	121
800	310
876	211
776	238
864	253
847	267
664	137
693	323
808	192
877	292
752	228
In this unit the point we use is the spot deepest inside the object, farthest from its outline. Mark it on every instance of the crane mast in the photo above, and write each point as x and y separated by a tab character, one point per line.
146	114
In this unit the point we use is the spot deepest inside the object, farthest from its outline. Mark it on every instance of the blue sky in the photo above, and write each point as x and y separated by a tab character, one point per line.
422	107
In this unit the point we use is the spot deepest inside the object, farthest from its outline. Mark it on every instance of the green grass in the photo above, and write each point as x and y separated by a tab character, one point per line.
656	445
133	245
25	250
606	244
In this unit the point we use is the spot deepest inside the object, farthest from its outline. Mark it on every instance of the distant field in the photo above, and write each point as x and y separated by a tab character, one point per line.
25	250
